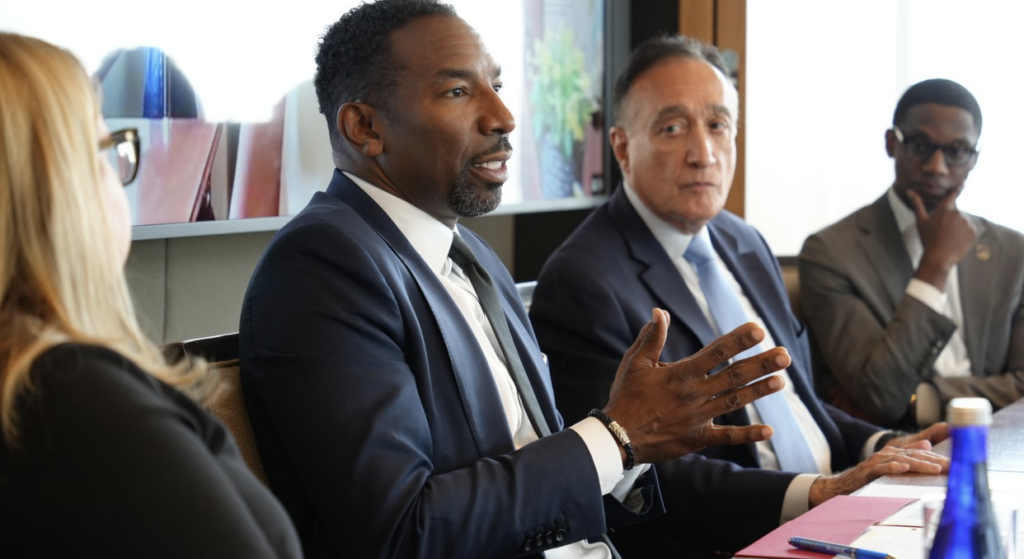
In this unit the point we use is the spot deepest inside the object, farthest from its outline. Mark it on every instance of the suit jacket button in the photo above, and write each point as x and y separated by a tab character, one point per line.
549	538
540	540
559	535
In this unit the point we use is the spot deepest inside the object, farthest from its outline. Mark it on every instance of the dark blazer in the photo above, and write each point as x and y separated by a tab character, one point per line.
878	343
114	463
374	410
593	296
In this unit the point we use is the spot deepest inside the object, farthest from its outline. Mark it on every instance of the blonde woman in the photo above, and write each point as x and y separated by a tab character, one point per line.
99	455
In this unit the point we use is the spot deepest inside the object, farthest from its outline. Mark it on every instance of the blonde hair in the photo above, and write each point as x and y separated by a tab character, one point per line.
61	278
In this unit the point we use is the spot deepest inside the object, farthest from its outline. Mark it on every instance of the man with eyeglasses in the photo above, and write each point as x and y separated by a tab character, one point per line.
911	301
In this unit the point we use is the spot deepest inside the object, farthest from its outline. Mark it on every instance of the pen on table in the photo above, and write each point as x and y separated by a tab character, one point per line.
837	549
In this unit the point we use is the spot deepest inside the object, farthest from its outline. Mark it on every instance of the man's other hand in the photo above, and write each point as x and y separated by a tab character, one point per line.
932	435
891	460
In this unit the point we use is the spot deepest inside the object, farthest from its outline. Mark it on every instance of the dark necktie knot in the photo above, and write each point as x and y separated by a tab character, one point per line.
460	253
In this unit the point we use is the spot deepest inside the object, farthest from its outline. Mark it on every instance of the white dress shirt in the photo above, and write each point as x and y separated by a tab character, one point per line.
675	243
432	240
953	361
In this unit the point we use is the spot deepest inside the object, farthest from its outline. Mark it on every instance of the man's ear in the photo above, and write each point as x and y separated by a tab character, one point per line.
890	143
620	144
360	126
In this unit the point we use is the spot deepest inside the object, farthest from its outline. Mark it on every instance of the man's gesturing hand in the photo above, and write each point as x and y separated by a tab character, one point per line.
667	408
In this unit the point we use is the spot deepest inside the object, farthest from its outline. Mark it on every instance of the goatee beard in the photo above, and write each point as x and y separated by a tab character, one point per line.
466	201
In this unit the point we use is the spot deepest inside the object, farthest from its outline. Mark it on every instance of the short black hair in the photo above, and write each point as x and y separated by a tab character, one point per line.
939	92
354	59
657	49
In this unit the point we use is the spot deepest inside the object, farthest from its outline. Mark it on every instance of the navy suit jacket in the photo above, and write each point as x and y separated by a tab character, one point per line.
374	410
593	296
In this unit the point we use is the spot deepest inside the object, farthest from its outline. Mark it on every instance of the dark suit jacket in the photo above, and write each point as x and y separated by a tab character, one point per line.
593	296
878	343
374	410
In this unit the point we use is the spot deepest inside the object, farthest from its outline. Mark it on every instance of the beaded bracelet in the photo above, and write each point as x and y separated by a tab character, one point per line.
618	432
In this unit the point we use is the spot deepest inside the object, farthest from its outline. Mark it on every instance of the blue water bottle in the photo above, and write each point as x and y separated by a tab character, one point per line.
968	528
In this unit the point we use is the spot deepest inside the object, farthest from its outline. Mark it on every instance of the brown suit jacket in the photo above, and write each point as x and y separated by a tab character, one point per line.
876	343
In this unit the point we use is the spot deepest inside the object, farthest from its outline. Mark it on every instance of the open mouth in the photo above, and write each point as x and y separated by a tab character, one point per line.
491	165
493	169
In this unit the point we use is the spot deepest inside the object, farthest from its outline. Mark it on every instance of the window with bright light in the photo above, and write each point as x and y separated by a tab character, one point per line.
823	79
232	130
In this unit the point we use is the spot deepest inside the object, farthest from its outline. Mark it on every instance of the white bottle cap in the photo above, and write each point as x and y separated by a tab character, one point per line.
969	411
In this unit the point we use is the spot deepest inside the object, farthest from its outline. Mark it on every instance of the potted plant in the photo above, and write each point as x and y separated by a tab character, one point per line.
560	98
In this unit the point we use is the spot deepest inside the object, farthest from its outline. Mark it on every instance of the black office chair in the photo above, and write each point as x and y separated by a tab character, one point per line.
525	290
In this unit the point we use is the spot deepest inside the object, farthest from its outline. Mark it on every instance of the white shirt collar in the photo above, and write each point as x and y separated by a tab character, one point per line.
674	241
429	237
905	217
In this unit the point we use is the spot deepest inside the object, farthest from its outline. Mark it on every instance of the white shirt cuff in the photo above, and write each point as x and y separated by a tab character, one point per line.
623	491
795	502
929	405
927	294
604	450
869	446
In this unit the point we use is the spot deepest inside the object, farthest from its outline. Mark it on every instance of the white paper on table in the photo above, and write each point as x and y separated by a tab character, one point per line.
901	542
910	515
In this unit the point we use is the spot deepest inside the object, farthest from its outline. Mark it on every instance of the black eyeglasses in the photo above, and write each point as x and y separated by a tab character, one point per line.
122	150
922	149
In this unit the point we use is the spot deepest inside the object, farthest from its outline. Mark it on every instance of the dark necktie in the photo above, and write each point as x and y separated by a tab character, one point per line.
791	448
461	254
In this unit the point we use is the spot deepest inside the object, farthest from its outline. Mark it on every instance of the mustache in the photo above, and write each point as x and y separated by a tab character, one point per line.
502	145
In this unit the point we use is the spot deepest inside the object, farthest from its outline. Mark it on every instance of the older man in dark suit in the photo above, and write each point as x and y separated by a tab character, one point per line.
663	239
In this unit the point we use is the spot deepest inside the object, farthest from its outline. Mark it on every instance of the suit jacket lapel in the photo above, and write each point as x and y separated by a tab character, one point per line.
883	250
752	275
520	330
660	276
882	245
529	352
760	283
662	279
479	396
976	273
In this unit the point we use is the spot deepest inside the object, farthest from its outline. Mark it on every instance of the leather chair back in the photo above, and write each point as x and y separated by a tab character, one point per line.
221	356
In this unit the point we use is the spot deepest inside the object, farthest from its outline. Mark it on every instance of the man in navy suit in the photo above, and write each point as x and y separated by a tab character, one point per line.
663	239
398	396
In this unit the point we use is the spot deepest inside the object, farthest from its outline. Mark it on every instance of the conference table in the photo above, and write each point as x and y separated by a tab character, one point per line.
896	536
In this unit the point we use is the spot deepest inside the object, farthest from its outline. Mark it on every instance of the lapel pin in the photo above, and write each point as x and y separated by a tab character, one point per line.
982	252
